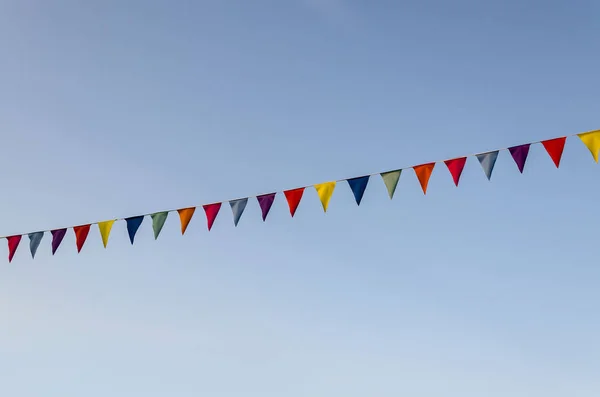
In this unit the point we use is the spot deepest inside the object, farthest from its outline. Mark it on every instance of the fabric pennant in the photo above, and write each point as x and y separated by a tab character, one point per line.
325	191
555	148
423	173
34	242
185	216
519	154
265	202
293	198
57	237
81	234
487	161
211	210
13	244
391	179
358	186
591	139
158	221
105	228
133	224
456	166
237	208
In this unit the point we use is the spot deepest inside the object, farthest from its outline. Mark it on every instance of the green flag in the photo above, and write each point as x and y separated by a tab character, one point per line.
391	181
158	221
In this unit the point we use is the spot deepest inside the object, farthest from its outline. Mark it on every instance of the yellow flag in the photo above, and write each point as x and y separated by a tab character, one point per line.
591	139
325	190
105	228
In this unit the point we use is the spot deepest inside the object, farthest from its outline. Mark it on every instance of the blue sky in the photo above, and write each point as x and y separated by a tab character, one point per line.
112	108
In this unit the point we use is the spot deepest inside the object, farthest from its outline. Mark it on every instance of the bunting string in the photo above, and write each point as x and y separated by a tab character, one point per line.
554	147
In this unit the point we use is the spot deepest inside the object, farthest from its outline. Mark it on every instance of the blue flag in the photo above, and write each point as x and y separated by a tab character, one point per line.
34	242
358	186
237	208
133	224
487	161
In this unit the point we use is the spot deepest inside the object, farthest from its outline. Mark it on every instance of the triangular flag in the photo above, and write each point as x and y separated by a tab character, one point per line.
456	166
391	179
237	208
266	201
133	224
158	221
293	198
358	186
34	242
105	228
555	148
423	173
13	244
519	154
487	161
325	191
591	139
211	210
57	238
185	216
81	233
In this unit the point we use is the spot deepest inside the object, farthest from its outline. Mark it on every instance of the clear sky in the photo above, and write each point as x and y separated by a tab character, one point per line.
116	108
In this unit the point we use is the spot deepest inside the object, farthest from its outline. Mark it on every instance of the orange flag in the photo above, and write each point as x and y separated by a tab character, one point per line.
185	216
423	173
81	233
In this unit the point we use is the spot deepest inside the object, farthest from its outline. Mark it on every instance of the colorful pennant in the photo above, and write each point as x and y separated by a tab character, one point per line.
293	198
133	224
57	237
456	166
519	154
237	208
158	221
13	244
390	179
211	210
105	228
185	216
34	242
554	148
325	191
591	139
423	173
358	186
81	233
487	161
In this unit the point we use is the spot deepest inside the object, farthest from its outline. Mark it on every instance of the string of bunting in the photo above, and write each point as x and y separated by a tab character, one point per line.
554	147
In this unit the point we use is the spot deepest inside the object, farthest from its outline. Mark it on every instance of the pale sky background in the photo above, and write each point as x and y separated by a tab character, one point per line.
115	108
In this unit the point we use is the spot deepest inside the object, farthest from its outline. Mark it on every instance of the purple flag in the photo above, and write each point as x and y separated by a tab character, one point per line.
57	238
519	154
266	201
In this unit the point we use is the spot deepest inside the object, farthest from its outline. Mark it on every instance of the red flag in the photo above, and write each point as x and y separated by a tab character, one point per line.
81	233
293	198
423	172
13	243
555	148
212	210
455	166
